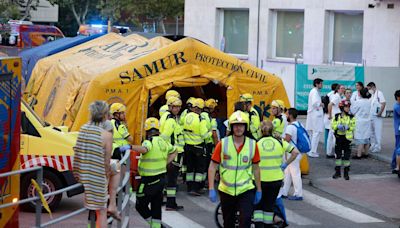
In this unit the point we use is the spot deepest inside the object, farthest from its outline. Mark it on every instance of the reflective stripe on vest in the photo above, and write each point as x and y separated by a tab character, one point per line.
154	162
236	168
271	154
192	129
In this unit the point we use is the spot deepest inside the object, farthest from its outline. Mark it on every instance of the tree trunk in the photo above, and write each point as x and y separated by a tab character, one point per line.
85	11
77	17
162	26
27	10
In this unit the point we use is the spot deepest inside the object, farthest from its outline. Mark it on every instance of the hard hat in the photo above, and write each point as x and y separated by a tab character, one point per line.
163	110
211	103
239	117
247	97
191	100
344	103
172	93
278	104
174	101
151	123
199	103
117	107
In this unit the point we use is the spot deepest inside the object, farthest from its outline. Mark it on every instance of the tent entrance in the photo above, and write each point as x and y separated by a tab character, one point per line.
210	90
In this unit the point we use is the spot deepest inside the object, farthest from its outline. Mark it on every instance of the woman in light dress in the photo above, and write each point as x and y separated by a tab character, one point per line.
361	109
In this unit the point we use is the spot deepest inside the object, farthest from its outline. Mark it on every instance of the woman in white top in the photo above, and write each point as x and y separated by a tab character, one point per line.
356	94
361	109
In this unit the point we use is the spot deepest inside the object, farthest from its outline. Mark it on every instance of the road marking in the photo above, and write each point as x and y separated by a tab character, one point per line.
299	219
337	209
173	218
203	202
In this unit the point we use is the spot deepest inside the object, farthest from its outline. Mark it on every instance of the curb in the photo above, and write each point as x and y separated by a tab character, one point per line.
381	157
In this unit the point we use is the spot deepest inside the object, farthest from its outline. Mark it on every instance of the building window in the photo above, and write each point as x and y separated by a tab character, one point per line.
289	34
236	31
347	37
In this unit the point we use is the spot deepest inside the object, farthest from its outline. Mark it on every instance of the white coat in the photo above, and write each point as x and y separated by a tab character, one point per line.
315	113
361	109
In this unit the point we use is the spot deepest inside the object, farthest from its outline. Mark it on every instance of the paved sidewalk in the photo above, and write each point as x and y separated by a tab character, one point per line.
388	140
377	193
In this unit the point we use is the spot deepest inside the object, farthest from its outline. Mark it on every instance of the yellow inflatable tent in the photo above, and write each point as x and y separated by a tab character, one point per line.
137	71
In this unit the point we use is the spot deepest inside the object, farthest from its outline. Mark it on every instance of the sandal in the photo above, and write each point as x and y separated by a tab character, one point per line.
365	156
115	215
356	157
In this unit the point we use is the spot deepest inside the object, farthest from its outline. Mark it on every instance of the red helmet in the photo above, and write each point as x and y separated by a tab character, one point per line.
344	103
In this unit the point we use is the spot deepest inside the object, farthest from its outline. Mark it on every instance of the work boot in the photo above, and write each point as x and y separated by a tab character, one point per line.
346	173
337	172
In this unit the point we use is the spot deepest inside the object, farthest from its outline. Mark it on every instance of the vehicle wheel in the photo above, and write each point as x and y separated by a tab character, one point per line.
218	216
51	183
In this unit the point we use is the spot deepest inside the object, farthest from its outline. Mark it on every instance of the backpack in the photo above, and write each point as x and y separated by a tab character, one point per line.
303	139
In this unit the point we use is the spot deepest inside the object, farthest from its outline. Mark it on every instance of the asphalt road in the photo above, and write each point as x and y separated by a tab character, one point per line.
318	209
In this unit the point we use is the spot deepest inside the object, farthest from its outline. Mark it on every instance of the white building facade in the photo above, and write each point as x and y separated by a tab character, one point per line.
273	34
45	13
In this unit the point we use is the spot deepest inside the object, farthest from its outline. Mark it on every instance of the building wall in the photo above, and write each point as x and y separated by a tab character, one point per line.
381	27
45	12
381	31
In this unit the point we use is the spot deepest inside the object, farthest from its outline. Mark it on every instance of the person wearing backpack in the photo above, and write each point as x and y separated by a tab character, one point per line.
293	172
343	125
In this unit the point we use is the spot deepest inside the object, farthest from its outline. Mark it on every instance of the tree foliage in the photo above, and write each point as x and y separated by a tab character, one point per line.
157	10
79	8
11	9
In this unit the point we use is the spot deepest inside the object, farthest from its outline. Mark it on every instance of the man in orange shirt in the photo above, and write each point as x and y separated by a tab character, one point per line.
238	158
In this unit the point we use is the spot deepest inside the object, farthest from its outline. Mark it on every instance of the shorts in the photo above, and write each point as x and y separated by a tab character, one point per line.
361	141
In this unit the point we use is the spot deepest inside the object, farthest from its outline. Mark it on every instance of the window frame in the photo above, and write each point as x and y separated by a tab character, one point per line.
331	35
221	18
273	34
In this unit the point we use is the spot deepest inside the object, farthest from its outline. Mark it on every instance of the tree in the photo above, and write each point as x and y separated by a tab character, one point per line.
9	11
157	10
79	8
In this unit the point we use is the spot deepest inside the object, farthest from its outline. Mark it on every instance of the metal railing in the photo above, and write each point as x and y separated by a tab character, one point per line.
123	192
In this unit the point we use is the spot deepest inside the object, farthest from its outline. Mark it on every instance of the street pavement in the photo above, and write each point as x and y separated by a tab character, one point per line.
368	199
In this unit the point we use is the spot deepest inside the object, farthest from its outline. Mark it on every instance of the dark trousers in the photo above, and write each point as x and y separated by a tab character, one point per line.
195	166
231	204
397	145
172	180
150	192
342	150
264	211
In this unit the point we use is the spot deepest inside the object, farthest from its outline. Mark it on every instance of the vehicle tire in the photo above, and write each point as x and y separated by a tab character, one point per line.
219	221
51	183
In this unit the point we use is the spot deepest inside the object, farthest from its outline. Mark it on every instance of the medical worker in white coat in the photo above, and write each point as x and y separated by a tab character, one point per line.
315	116
378	110
361	109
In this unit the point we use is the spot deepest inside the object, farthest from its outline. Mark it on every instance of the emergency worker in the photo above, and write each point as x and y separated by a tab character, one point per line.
279	121
195	132
156	153
238	158
189	107
121	137
271	170
254	117
171	132
343	125
209	107
170	93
